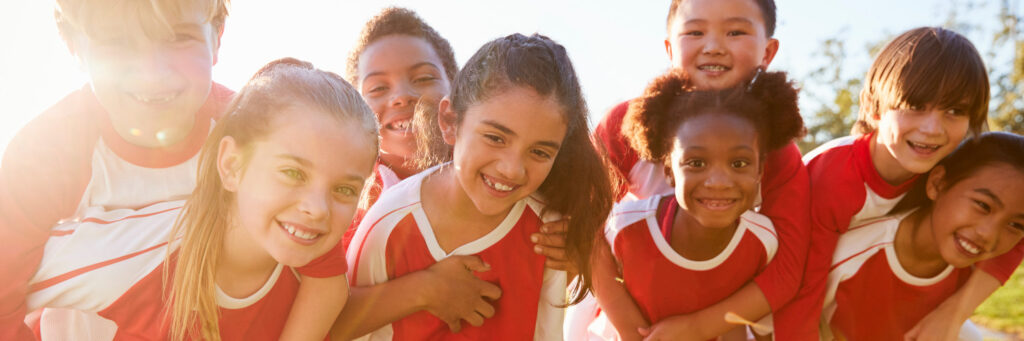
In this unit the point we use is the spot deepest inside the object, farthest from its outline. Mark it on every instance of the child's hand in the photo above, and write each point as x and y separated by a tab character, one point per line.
459	295
680	327
550	242
941	324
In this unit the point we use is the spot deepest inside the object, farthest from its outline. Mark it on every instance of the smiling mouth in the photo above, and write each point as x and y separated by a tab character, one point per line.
923	148
967	246
298	232
717	204
713	68
498	186
155	98
402	126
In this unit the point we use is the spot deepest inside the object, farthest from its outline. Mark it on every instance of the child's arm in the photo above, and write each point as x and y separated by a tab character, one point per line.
550	243
945	321
709	322
447	289
316	307
611	295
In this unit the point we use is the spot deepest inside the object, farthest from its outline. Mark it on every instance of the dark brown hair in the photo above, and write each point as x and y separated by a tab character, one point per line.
578	185
400	21
925	66
767	12
769	103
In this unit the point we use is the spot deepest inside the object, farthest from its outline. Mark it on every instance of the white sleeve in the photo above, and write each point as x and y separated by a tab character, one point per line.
91	262
550	311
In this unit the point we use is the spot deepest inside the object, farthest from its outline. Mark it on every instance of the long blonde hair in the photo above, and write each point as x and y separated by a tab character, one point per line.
201	227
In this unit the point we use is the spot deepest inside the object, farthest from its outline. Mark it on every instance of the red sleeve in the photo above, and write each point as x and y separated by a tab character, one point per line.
608	134
838	193
330	264
1002	267
785	198
44	173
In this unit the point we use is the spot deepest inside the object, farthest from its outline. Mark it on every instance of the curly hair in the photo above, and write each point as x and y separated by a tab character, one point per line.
770	103
400	21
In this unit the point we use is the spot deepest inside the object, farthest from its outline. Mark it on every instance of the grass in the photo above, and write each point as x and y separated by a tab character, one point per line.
1004	310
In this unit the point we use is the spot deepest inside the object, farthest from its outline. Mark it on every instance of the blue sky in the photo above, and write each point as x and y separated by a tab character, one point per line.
616	45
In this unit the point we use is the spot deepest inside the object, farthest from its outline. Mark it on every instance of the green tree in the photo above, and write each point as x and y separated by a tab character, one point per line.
1007	107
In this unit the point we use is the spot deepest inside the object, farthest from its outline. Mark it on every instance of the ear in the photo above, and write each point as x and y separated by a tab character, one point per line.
668	49
229	163
671	179
446	119
216	43
935	182
769	52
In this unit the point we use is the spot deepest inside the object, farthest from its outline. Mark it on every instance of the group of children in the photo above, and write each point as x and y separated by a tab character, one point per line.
413	199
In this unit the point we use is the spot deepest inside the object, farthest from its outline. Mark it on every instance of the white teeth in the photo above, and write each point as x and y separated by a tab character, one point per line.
714	68
924	146
298	233
717	203
498	186
968	246
153	99
401	125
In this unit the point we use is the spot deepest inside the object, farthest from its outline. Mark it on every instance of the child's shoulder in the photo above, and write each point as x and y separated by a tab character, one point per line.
629	212
864	240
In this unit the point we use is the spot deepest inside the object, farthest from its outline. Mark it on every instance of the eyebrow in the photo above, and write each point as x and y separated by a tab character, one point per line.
414	66
728	20
988	193
508	131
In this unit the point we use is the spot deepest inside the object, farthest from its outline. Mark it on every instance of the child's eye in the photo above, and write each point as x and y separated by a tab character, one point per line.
695	163
1017	226
694	33
184	37
347	191
293	174
956	112
542	154
376	89
422	79
494	138
736	33
740	163
982	206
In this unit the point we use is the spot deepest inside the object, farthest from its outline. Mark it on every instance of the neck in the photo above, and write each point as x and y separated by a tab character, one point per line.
398	165
695	241
886	165
243	266
453	217
916	247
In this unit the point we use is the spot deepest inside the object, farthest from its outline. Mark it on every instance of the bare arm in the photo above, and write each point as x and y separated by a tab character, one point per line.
613	298
316	307
945	321
447	289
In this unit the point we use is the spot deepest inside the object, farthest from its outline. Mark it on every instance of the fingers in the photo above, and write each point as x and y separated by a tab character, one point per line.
475	319
485	309
472	263
559	265
489	290
559	227
455	327
555	253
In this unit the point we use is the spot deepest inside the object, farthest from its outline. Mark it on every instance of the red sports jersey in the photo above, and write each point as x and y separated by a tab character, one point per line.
637	237
783	197
383	178
396	238
870	296
69	163
122	281
847	192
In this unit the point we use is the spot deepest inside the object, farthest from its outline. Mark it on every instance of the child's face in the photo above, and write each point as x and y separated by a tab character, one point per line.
151	85
298	190
980	217
394	72
919	138
505	147
715	168
719	43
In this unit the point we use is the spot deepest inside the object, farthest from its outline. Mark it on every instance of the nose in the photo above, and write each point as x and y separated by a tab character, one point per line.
403	95
510	167
718	178
931	123
313	204
988	234
712	45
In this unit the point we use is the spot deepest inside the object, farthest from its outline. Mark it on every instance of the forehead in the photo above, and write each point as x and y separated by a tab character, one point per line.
524	111
323	138
153	19
1002	180
718	10
715	130
396	53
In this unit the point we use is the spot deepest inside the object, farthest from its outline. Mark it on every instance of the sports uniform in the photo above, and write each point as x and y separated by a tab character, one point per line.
383	178
783	197
870	296
123	281
639	239
395	238
848	192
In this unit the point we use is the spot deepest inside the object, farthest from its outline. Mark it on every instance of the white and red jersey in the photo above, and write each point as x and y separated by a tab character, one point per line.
870	296
639	242
784	194
383	178
123	280
847	192
396	238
